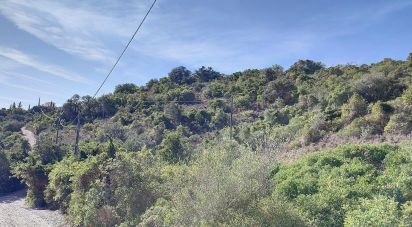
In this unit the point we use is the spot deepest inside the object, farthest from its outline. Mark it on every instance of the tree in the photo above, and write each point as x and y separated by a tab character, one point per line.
205	74
356	107
172	149
306	67
281	88
108	106
187	95
219	119
173	112
71	108
407	96
127	88
273	73
220	187
7	183
111	150
376	87
180	75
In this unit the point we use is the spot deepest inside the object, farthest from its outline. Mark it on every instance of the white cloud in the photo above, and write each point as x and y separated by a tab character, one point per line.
27	60
98	30
26	88
77	28
27	77
9	100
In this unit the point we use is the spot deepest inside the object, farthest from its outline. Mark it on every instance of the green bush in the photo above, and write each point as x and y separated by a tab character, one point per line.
379	211
13	126
378	87
359	128
400	123
7	182
356	107
172	148
326	185
407	211
219	187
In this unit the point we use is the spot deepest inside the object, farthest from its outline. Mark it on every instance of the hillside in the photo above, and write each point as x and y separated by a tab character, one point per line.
203	148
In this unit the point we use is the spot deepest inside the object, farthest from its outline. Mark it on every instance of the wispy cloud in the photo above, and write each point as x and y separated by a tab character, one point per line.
27	77
26	88
80	28
30	61
9	80
97	32
11	99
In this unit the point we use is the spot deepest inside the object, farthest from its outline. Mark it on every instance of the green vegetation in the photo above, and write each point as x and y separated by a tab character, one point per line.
161	154
351	185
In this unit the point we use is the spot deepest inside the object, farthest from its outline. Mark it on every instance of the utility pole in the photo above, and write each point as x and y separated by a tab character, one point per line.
59	126
57	130
76	145
231	118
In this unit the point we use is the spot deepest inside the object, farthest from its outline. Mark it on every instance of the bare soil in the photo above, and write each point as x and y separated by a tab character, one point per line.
29	136
14	212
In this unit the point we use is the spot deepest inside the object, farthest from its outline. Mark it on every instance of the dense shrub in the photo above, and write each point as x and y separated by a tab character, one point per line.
220	188
400	123
328	184
205	74
282	89
13	126
378	87
172	148
33	171
306	67
7	182
98	191
126	89
146	159
379	211
180	75
356	107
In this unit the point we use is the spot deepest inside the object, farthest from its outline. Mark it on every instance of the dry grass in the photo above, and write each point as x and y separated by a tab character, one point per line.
290	155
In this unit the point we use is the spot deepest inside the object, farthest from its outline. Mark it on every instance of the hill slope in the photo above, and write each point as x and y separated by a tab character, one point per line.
166	154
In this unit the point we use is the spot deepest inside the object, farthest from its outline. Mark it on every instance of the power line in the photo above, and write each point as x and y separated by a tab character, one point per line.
50	118
197	101
124	50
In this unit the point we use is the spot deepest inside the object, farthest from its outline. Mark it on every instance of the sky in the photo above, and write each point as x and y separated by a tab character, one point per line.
53	49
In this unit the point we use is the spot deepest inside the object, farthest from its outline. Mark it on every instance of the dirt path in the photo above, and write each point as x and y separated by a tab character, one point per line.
13	212
29	135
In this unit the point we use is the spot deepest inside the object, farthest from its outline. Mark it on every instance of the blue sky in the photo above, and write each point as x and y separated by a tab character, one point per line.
54	49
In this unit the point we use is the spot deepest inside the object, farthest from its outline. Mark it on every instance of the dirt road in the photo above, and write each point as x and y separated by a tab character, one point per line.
13	212
29	136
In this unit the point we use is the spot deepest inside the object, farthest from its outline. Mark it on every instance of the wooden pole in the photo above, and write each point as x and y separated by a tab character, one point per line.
76	145
57	130
231	118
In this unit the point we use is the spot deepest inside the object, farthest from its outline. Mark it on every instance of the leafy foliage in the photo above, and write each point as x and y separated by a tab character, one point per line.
335	187
160	154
